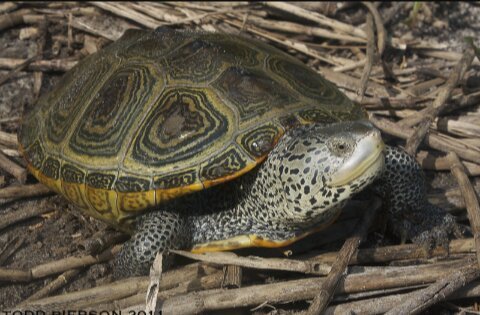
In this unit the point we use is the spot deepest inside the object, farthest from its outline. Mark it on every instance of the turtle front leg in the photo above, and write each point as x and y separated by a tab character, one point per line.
412	217
155	232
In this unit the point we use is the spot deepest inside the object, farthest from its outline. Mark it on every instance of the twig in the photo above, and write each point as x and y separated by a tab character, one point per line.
387	254
8	6
10	247
296	28
381	33
471	201
22	214
303	289
350	83
301	47
440	101
230	258
441	163
18	68
23	191
136	302
437	291
152	290
382	304
53	286
8	139
126	12
39	65
339	267
436	141
370	55
13	168
102	240
68	263
116	290
13	19
457	102
316	17
57	266
232	277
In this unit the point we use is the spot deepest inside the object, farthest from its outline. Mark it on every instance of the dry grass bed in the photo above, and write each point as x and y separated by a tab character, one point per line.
408	64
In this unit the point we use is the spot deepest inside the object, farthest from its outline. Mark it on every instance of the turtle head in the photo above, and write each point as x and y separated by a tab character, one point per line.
321	166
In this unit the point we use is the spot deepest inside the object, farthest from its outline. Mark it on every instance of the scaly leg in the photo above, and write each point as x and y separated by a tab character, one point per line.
155	232
412	217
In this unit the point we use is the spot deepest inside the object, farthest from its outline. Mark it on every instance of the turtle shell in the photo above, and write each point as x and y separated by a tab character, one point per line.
159	114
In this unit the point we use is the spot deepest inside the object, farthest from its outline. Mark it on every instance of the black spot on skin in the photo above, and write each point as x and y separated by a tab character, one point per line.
296	157
313	201
295	171
314	179
306	170
306	190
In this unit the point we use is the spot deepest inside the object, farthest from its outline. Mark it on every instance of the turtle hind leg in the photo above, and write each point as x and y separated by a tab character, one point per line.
154	232
411	216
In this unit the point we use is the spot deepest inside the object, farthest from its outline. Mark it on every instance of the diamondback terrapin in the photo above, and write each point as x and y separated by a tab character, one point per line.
136	133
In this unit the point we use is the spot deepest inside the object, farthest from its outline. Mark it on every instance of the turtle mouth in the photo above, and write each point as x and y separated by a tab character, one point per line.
367	158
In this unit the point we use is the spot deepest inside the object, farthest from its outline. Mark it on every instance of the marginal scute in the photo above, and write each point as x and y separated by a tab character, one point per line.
35	154
317	115
136	201
51	168
131	184
100	180
181	179
28	135
228	163
75	193
72	174
260	140
102	201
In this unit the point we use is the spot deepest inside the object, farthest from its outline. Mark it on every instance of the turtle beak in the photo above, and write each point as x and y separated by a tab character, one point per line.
367	158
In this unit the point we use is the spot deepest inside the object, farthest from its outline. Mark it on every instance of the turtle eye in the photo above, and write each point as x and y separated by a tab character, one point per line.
340	147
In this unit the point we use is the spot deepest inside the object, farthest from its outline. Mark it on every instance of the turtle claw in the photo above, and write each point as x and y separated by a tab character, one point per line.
411	216
431	228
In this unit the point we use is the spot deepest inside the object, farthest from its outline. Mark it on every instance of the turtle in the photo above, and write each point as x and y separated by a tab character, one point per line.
211	141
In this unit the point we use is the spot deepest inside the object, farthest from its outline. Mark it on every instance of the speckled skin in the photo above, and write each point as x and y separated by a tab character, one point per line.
285	196
412	217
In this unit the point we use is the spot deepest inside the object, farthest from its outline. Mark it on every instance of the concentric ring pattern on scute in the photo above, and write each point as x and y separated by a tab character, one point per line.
162	113
75	93
110	115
